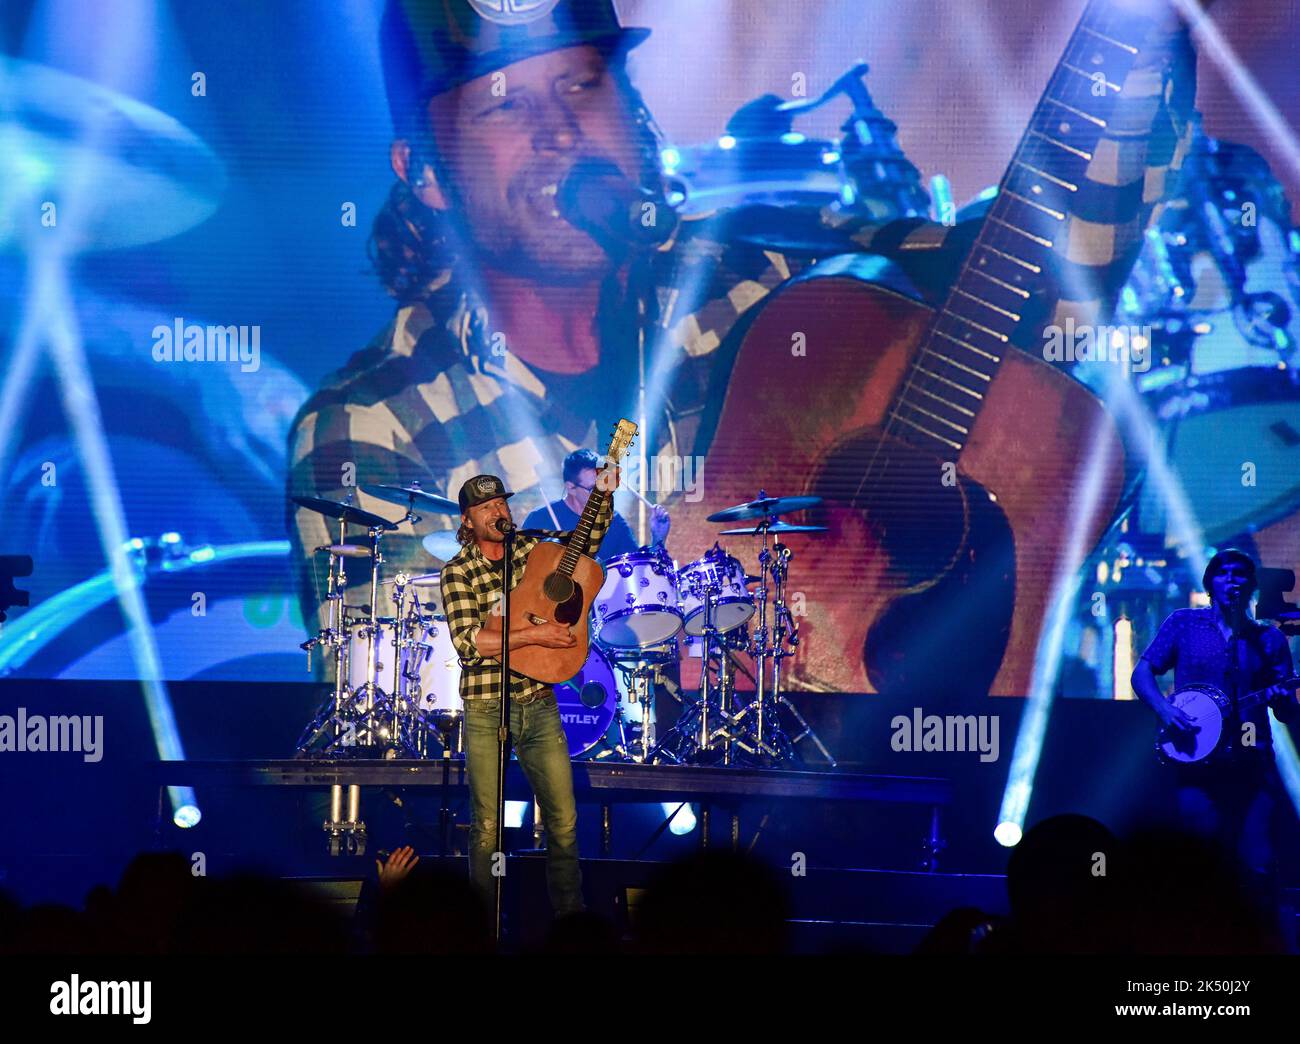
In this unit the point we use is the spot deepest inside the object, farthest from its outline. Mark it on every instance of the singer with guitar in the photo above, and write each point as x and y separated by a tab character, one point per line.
471	590
1233	793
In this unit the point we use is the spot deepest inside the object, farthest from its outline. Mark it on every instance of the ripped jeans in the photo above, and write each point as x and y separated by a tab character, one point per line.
538	740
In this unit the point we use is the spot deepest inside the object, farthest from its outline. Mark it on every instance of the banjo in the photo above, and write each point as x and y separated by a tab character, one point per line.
1209	707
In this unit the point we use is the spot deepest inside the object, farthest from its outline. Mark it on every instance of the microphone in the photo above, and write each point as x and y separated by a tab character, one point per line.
504	525
597	198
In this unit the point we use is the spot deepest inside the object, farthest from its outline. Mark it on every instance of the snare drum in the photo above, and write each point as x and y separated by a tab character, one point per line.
721	572
637	606
431	670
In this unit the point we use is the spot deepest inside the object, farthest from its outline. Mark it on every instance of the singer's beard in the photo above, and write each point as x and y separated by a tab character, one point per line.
523	234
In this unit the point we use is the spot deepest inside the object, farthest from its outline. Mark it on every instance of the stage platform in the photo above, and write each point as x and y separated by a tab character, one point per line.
727	790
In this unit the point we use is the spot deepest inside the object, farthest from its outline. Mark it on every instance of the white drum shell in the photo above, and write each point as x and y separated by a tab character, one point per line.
436	666
637	605
735	603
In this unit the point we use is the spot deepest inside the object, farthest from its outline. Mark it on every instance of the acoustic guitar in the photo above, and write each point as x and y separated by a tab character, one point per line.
558	585
1209	707
959	469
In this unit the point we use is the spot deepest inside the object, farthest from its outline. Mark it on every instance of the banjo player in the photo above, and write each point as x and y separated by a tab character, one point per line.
1235	794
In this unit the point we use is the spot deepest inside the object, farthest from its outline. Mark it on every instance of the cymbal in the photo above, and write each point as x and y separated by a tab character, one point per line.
775	527
442	543
152	178
433	579
764	507
348	513
346	550
411	495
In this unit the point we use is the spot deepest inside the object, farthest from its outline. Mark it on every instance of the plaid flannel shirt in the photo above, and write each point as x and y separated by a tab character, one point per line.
431	400
471	590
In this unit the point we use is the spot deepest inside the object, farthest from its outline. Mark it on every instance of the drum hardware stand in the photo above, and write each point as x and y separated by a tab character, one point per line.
410	722
685	741
345	836
378	719
370	690
640	678
764	735
331	713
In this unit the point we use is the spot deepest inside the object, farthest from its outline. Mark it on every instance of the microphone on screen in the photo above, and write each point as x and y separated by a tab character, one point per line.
504	525
617	213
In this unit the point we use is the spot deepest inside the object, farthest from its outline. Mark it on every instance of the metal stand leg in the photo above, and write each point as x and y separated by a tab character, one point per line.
934	842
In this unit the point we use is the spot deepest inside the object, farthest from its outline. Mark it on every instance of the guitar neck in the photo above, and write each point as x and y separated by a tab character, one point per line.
580	539
1011	260
1252	699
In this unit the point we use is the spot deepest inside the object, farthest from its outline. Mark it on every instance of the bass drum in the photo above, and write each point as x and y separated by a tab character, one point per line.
218	613
589	703
1212	426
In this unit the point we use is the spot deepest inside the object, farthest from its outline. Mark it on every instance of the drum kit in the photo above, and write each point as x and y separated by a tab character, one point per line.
648	606
396	675
395	690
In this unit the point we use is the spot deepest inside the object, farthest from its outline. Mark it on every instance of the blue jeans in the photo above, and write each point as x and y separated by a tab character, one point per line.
1236	804
538	739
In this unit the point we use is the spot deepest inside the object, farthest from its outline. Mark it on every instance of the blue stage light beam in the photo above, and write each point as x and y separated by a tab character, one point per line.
1211	44
1141	434
1042	687
55	302
1288	763
128	42
20	374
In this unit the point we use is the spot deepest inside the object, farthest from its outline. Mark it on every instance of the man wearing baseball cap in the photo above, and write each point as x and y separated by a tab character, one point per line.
471	590
1234	798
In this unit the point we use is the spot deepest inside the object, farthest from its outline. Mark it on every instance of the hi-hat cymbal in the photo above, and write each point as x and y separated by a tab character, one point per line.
346	512
775	527
131	174
411	495
346	550
763	508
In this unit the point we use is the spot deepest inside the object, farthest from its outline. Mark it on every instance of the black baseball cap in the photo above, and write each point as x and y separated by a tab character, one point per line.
431	46
480	489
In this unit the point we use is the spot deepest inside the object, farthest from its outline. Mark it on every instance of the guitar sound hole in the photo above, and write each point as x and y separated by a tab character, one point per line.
900	491
558	587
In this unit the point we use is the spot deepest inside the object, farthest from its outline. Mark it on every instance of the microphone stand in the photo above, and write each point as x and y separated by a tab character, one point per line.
608	220
503	725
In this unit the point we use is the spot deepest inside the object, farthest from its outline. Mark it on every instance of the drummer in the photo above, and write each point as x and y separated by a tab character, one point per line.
579	480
